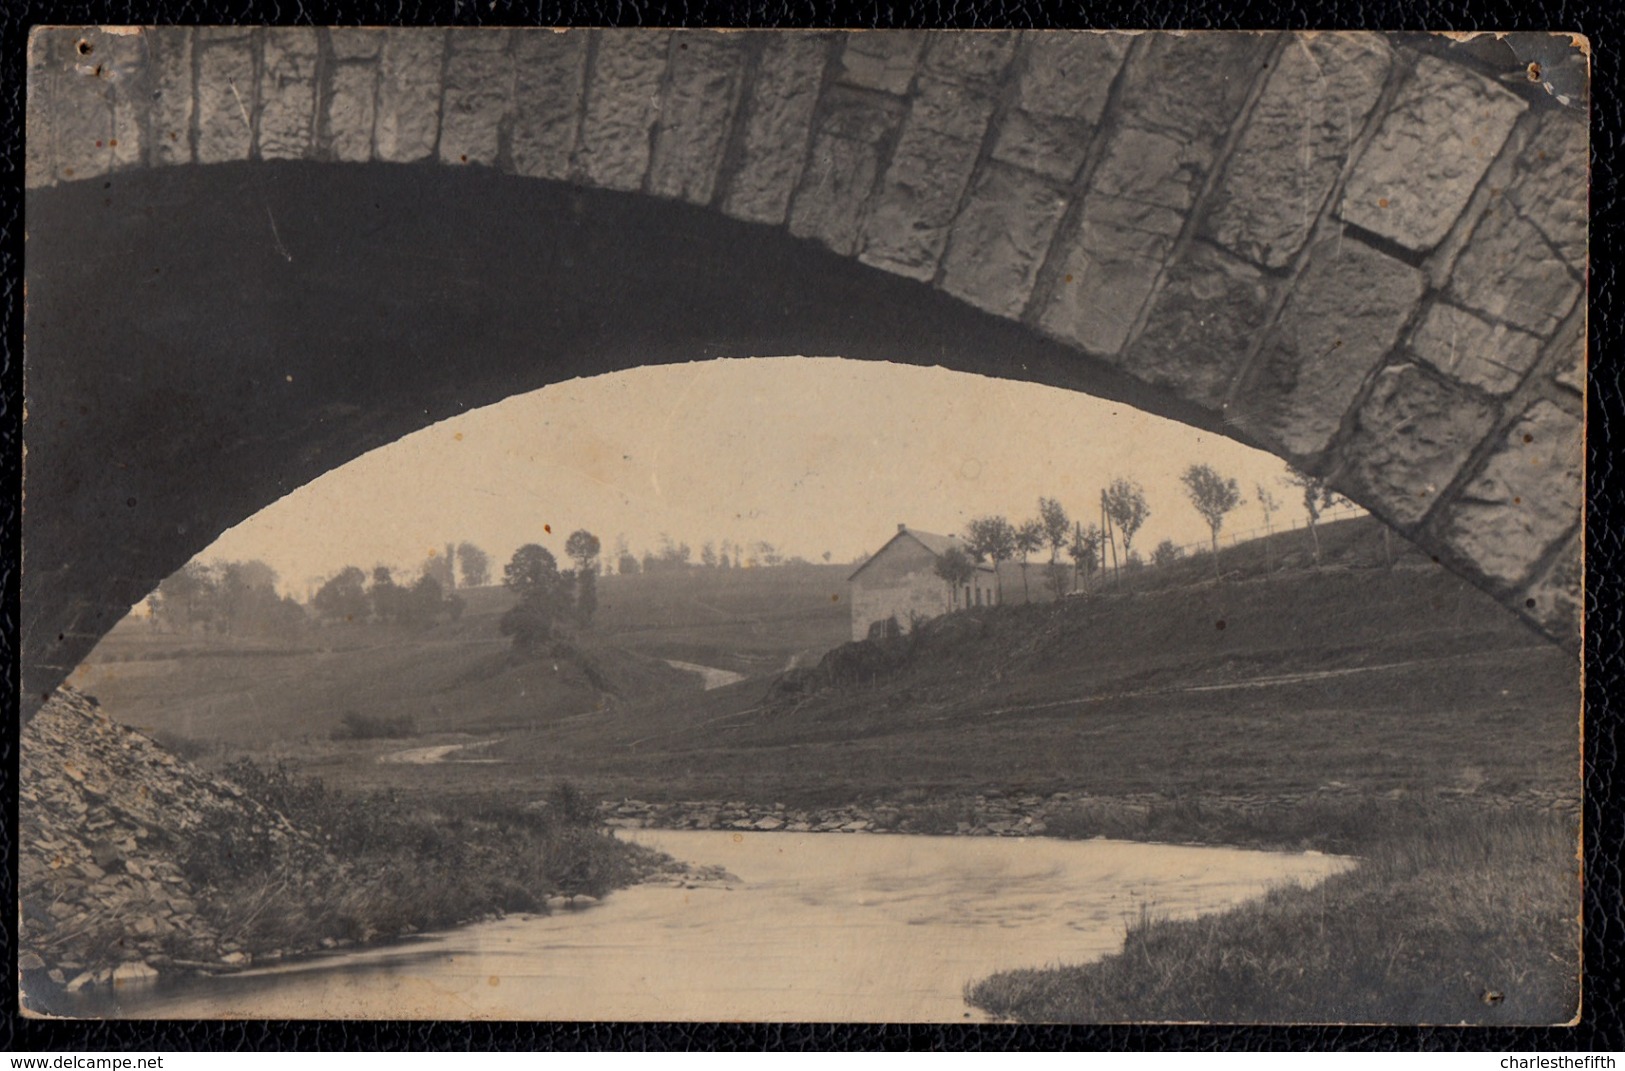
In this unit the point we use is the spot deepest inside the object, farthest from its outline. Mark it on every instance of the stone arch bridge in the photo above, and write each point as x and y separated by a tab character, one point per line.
254	254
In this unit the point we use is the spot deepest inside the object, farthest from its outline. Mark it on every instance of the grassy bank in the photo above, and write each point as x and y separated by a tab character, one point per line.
396	864
1449	917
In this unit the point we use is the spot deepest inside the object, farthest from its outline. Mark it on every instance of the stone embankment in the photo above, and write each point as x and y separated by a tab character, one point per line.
108	820
1068	814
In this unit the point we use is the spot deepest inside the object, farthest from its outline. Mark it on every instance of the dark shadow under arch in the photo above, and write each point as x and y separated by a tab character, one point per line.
203	340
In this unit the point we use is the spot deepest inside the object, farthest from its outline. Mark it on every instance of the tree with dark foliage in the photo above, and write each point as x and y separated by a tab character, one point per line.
533	575
956	568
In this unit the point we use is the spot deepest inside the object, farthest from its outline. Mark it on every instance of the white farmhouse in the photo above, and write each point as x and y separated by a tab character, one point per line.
899	583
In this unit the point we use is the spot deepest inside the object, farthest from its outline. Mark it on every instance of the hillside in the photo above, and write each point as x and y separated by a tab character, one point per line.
1376	672
215	696
1362	674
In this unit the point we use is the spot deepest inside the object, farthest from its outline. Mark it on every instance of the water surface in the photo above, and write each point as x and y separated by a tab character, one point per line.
823	927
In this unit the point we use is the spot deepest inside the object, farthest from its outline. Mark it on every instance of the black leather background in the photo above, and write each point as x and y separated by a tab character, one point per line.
1601	1025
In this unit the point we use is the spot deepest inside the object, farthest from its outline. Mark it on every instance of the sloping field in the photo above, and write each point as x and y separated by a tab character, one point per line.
1377	672
1367	676
226	694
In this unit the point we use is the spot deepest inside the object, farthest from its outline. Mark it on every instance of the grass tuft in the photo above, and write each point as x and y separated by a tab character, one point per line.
389	864
1467	919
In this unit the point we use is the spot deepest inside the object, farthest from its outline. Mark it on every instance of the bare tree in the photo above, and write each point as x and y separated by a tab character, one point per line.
1269	504
1213	496
991	538
1029	537
1056	524
1085	552
1127	508
1317	498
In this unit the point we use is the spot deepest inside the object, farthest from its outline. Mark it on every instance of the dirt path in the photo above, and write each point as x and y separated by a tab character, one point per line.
713	677
426	756
1272	681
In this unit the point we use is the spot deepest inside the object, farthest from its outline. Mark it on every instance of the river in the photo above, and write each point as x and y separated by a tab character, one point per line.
836	927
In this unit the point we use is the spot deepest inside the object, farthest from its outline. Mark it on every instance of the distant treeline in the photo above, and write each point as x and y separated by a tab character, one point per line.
672	555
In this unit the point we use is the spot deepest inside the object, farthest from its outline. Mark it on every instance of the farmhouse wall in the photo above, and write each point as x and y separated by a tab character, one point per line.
899	581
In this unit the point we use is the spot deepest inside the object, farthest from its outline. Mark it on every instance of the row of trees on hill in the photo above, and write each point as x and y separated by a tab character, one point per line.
351	597
672	555
462	565
1124	510
228	598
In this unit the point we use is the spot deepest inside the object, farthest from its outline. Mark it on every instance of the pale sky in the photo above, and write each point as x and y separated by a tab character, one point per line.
810	454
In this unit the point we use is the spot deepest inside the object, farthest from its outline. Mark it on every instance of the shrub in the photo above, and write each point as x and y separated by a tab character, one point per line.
355	726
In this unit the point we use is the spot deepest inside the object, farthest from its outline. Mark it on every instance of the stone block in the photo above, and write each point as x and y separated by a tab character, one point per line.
125	61
349	111
1202	326
408	123
1550	186
980	54
1492	357
1068	73
225	96
81	106
96	100
1567	351
777	127
550	72
288	93
702	93
929	170
840	178
1556	600
1429	153
1052	146
1131	217
951	109
39	167
1526	498
623	103
1000	239
1108	269
858	116
908	226
356	43
1512	275
1344	316
172	94
1192	85
1153	167
1411	437
834	192
479	82
880	59
1296	143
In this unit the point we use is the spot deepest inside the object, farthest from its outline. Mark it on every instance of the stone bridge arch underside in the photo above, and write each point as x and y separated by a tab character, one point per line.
254	254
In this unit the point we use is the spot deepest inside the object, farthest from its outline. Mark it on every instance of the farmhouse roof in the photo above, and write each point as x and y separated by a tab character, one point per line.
936	544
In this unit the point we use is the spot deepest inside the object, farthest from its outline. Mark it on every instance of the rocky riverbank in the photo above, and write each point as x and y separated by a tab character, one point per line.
136	863
108	824
1279	819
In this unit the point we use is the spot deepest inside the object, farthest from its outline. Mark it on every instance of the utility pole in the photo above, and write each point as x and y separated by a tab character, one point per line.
1111	537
